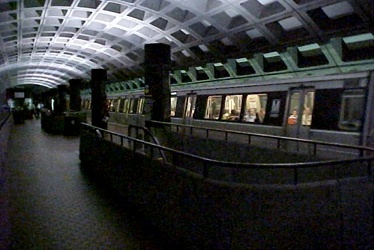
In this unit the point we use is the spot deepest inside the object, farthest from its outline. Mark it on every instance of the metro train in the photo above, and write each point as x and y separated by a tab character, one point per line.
335	108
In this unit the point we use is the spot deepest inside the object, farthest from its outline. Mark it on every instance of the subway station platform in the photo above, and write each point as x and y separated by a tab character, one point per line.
47	203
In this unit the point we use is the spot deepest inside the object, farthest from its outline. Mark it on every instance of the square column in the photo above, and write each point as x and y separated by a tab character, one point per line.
157	81
75	98
100	109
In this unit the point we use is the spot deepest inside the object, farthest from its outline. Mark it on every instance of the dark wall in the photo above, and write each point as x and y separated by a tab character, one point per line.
214	214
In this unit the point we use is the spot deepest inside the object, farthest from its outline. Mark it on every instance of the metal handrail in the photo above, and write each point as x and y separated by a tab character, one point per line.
207	161
149	133
278	138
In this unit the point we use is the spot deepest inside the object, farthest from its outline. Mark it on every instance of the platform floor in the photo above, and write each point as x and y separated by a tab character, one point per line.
52	205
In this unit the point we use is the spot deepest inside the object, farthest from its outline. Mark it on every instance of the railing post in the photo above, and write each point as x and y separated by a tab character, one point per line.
278	143
314	149
226	136
249	139
206	133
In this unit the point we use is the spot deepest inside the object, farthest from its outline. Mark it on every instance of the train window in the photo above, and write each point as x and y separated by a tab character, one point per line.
190	109
233	105
126	106
180	106
133	105
118	104
213	107
327	105
294	108
173	105
109	103
115	105
352	109
112	107
140	105
121	105
255	106
306	118
301	102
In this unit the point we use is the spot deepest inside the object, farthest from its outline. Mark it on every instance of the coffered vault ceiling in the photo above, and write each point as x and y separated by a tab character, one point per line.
48	42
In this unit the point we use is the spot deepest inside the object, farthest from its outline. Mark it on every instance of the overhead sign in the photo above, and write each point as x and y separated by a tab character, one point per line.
19	94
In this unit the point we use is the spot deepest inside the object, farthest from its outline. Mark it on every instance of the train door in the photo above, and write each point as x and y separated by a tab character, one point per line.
189	108
300	109
368	131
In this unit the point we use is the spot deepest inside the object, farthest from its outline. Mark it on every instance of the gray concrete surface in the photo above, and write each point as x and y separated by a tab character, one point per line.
52	205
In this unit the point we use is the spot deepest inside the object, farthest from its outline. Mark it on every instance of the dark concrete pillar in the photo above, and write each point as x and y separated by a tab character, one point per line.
98	97
157	81
60	103
75	98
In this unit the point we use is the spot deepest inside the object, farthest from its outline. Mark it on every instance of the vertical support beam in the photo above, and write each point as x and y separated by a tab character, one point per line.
75	98
157	80
60	104
157	88
47	97
98	97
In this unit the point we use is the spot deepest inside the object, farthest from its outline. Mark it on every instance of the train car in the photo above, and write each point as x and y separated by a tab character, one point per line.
336	108
319	92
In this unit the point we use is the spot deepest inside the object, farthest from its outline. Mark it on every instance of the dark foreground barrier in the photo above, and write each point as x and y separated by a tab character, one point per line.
5	228
66	123
211	214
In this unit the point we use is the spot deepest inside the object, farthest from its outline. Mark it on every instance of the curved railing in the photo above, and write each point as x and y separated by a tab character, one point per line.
146	131
206	162
279	139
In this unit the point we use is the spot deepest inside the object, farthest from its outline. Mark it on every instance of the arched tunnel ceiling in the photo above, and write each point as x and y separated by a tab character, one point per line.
48	42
